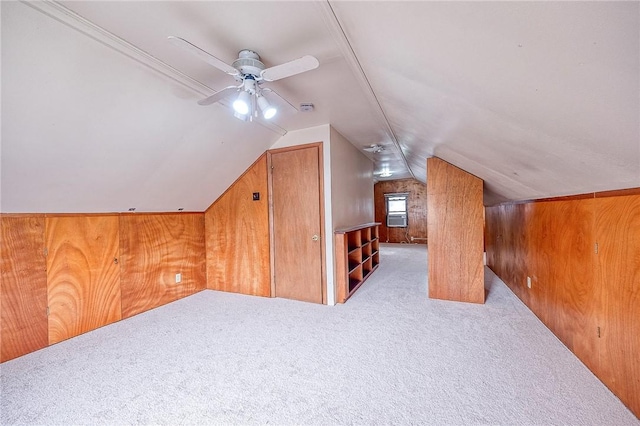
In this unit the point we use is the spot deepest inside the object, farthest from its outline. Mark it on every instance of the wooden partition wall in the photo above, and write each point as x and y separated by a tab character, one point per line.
63	275
455	226
237	236
417	211
582	259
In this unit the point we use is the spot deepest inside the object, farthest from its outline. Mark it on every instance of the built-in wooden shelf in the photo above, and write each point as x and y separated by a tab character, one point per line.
357	256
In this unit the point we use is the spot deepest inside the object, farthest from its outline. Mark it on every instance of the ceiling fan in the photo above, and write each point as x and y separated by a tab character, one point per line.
250	73
375	148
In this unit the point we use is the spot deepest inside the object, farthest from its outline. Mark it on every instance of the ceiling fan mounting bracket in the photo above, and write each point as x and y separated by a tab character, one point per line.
249	83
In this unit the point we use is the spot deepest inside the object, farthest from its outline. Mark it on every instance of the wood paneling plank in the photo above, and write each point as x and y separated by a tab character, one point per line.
618	237
83	276
237	236
574	290
24	286
153	249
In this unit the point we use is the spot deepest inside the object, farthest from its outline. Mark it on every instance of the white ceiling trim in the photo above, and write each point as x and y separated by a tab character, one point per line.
337	31
77	22
67	17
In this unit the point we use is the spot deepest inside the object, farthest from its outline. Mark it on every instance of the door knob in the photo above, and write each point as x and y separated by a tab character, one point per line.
315	238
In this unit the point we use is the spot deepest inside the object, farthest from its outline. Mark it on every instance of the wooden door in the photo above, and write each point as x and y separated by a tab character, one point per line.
83	277
297	224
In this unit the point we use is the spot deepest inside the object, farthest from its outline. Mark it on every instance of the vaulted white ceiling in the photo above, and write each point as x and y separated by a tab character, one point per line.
100	113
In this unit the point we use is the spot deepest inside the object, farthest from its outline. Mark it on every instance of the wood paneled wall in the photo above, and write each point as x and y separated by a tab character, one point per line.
83	276
23	294
455	227
417	217
583	258
153	249
237	236
98	269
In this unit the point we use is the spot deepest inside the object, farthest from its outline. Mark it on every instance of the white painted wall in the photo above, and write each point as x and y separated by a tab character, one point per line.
300	137
351	184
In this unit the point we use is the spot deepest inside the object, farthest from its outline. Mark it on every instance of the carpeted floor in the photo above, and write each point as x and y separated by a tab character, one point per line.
388	356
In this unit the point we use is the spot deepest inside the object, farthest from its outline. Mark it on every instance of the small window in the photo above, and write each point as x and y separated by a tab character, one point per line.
397	209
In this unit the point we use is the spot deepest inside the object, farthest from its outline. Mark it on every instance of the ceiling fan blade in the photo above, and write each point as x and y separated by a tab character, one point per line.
205	56
297	66
218	96
279	99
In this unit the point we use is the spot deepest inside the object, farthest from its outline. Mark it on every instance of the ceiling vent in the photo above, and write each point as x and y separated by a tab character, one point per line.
307	107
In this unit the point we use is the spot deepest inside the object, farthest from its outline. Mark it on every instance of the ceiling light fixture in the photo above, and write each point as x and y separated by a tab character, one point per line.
250	99
268	111
241	104
249	71
385	172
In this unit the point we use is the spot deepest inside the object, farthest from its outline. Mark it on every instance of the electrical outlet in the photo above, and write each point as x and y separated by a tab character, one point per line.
178	278
529	282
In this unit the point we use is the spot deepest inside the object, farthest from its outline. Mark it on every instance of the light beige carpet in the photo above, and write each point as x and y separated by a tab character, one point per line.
388	356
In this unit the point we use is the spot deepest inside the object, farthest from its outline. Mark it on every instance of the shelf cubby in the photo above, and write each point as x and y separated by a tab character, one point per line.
365	235
367	266
366	251
352	266
353	240
375	259
355	255
356	273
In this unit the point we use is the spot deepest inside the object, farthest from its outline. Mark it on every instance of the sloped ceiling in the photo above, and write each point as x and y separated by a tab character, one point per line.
537	98
99	111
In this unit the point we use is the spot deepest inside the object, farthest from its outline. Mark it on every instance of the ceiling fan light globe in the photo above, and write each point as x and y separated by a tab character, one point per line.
241	104
241	107
268	111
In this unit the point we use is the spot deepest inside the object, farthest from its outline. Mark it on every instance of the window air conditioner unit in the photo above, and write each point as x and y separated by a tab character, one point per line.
396	221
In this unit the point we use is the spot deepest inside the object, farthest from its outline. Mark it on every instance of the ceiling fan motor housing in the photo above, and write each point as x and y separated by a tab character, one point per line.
248	63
